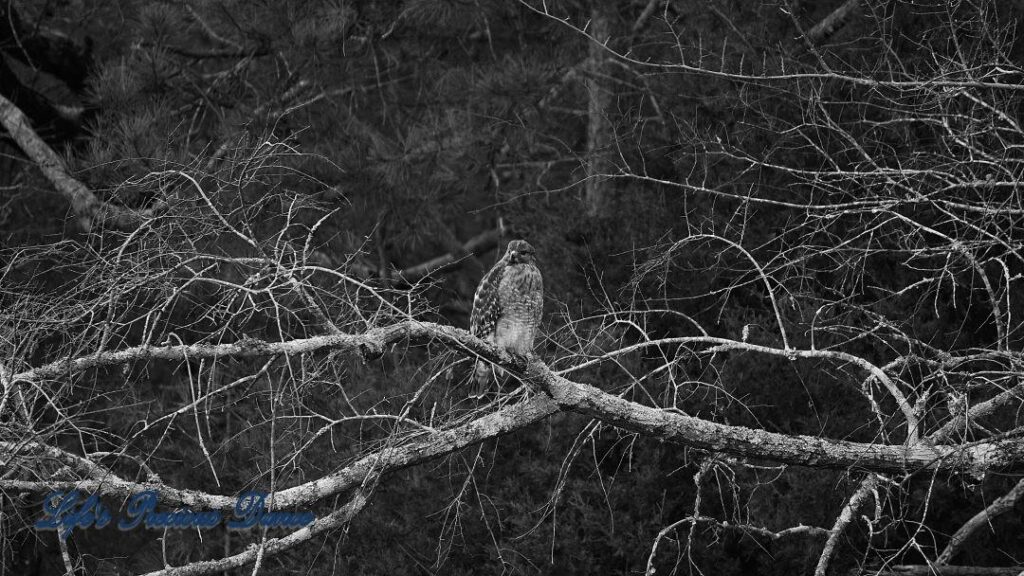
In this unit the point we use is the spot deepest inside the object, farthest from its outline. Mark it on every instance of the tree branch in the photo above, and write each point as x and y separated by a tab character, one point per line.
415	451
474	246
559	394
671	426
85	205
856	80
1002	505
867	486
271	546
832	23
977	411
200	54
934	570
597	187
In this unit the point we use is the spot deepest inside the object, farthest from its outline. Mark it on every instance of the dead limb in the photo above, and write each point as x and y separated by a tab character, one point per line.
1002	505
671	426
87	208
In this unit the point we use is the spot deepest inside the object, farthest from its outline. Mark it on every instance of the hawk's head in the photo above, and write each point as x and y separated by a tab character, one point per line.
520	252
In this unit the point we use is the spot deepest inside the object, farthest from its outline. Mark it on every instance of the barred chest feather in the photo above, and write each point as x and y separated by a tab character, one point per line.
521	299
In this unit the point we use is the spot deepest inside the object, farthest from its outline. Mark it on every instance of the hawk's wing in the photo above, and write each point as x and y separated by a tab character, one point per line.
486	304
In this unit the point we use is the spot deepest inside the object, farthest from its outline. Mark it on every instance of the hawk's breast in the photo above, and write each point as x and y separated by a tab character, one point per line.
521	297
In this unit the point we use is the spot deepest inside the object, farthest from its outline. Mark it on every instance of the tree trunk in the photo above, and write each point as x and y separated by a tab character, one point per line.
598	188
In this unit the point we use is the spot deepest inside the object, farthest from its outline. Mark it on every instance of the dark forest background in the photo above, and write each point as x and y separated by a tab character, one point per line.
793	175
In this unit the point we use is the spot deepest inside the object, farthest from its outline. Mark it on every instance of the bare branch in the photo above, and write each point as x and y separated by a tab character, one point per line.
784	77
867	486
641	20
85	205
936	570
585	399
977	411
271	546
832	23
474	246
1002	505
416	450
597	188
200	54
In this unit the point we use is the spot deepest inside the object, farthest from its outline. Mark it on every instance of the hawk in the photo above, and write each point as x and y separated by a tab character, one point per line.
507	305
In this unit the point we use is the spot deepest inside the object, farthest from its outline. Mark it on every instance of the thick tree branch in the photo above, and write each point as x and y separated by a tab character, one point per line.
667	425
559	394
977	411
85	205
754	443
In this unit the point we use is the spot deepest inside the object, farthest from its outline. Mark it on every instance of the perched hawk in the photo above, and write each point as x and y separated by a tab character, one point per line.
507	305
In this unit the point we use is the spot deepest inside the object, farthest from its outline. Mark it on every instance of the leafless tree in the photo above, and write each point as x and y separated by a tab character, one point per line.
233	252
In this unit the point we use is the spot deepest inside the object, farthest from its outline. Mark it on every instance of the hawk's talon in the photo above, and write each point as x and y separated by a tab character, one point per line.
520	359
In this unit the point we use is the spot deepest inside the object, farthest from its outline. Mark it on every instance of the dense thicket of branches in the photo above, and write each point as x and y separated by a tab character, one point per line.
782	245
